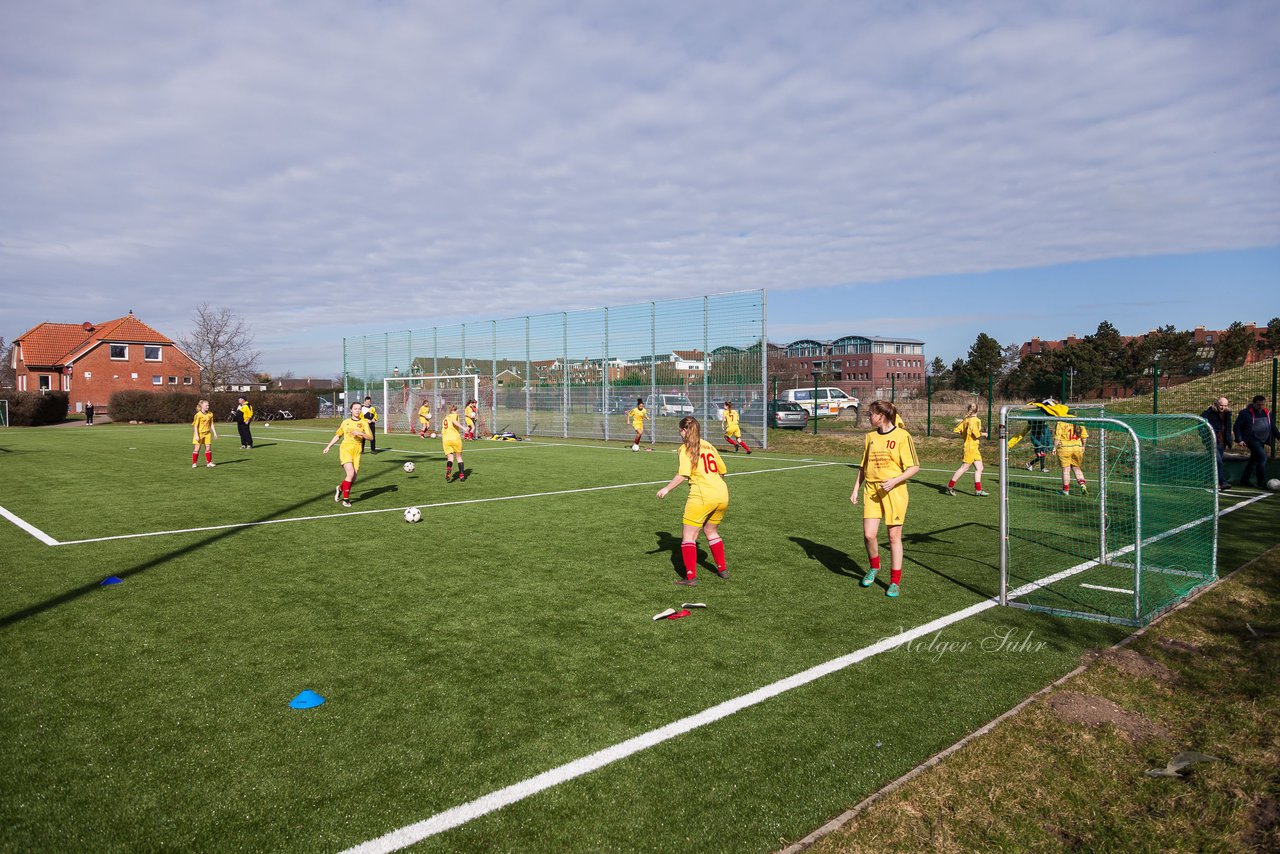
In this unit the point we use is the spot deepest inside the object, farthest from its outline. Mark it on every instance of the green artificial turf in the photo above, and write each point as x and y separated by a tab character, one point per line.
506	634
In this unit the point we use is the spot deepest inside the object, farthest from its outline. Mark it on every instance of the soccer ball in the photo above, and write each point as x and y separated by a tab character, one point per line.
1274	484
408	467
413	514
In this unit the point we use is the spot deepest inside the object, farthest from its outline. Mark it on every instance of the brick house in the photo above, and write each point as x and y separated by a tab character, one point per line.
91	362
863	365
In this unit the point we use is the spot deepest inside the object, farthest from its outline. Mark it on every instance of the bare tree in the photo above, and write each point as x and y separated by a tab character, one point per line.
222	343
6	364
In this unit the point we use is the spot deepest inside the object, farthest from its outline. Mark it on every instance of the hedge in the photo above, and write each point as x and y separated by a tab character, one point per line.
178	407
32	409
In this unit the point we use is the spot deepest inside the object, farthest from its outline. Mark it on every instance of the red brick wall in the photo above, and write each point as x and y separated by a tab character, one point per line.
111	375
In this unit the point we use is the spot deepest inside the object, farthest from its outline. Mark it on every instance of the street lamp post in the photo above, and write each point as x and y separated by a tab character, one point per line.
815	373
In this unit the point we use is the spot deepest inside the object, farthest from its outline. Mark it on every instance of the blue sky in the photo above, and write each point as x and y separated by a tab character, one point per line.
932	169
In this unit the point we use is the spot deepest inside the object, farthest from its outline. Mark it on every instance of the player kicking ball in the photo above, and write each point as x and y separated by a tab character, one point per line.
451	440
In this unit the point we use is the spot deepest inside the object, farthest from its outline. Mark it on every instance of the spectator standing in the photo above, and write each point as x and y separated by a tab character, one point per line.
370	413
1219	417
244	417
1254	428
88	414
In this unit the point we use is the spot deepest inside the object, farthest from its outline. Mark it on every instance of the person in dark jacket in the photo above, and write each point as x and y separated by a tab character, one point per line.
1219	417
1254	428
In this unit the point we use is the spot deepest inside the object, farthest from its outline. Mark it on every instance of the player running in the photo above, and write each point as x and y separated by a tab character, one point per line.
888	461
451	438
701	465
971	429
352	431
637	417
203	433
424	420
731	432
473	415
1068	446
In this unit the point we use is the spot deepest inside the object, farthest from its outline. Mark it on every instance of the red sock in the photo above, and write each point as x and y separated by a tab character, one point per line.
717	552
875	562
195	455
208	456
346	489
977	486
1082	482
1066	487
895	576
689	551
951	484
744	446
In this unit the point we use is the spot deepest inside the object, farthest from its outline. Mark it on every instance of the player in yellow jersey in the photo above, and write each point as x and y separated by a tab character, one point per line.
472	413
424	420
970	429
701	465
352	431
203	433
451	438
731	431
1068	446
637	417
888	461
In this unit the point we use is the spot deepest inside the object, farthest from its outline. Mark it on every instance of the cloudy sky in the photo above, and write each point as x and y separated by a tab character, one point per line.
925	169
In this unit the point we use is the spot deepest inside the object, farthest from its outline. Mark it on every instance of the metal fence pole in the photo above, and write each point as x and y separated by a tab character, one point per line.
528	381
493	384
564	376
991	396
653	371
764	366
928	406
604	378
706	365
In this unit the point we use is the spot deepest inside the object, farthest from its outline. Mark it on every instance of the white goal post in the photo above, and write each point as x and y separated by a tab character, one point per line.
402	396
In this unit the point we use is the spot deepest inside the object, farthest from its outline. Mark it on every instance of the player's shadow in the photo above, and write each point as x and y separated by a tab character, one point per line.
225	462
381	490
833	560
672	544
932	551
257	445
160	560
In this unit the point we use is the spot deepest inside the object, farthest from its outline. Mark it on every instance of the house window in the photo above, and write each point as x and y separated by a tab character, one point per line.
186	380
156	379
88	375
119	352
45	383
151	352
173	380
133	376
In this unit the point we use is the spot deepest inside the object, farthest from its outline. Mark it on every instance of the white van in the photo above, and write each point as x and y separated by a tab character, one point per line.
829	401
678	405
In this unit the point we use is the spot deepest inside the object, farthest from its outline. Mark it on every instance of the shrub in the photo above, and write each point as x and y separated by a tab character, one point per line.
178	407
32	409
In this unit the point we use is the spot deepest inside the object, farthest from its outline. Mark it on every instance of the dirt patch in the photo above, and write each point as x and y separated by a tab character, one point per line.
1074	707
1264	825
1175	645
1137	664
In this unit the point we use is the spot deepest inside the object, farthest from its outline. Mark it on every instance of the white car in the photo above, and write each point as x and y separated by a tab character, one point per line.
828	401
678	405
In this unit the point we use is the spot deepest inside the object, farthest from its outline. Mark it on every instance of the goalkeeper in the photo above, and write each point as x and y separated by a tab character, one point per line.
1040	432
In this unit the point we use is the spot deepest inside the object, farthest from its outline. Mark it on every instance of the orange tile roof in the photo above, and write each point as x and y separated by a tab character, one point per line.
53	343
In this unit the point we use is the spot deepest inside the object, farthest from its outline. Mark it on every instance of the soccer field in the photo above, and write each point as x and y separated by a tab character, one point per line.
492	674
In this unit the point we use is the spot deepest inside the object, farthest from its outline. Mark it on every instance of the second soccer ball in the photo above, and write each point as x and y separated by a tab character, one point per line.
412	514
408	467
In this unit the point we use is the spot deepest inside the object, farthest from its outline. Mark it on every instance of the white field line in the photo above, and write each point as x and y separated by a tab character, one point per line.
351	513
464	813
29	528
1107	589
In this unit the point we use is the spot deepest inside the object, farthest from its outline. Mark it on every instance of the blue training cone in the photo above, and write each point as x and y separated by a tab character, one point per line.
306	700
110	579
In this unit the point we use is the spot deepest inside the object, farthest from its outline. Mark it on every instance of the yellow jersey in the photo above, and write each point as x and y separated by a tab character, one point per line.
203	423
1068	435
246	412
370	413
887	455
451	429
971	429
730	421
352	431
470	413
424	412
637	416
706	474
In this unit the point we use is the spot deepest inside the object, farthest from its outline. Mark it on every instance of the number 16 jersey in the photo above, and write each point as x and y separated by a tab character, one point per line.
706	474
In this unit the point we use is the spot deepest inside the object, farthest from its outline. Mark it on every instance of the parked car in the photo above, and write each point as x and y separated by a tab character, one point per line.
829	401
782	414
678	405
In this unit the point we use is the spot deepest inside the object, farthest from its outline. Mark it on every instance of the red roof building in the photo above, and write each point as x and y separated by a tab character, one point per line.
91	362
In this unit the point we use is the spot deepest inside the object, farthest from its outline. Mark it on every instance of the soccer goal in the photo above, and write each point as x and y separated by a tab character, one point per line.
1136	540
402	396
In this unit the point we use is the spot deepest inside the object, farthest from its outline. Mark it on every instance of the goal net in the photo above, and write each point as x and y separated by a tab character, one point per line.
403	396
1136	539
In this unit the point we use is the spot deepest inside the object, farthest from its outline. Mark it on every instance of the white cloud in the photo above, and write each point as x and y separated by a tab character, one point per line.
403	164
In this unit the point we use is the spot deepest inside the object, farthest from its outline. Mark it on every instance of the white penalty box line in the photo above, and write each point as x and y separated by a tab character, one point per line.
471	810
50	541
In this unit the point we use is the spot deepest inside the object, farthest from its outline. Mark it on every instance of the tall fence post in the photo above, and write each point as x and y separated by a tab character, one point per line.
493	384
653	371
528	381
1274	362
1062	395
928	406
706	364
604	378
991	395
1155	392
564	375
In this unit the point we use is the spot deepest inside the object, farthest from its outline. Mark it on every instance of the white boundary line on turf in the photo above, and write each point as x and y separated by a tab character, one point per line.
464	813
347	514
1107	589
29	528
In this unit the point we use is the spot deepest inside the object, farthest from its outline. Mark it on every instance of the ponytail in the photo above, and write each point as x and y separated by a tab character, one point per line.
886	410
692	436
